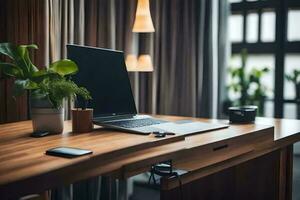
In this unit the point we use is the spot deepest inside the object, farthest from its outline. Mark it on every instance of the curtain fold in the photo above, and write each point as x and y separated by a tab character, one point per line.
189	53
174	56
188	47
223	53
99	23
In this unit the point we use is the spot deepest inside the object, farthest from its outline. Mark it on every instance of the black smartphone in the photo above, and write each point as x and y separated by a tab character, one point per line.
67	152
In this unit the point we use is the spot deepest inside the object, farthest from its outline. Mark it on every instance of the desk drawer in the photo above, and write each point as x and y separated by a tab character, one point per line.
211	158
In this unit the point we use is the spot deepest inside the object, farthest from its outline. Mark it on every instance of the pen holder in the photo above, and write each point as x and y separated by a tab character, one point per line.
82	120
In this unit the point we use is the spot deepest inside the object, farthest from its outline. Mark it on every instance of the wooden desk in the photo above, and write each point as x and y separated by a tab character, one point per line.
24	168
264	173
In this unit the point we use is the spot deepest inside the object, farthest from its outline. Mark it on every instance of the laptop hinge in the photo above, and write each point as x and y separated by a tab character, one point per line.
111	118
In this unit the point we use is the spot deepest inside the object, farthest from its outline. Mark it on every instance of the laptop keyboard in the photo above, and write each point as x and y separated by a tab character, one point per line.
135	123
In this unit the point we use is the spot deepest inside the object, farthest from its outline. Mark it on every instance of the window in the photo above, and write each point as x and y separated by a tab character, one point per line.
292	62
293	25
252	27
236	24
270	31
268	27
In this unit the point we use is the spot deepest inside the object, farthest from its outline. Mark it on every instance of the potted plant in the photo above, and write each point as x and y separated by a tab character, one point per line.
294	77
47	86
247	85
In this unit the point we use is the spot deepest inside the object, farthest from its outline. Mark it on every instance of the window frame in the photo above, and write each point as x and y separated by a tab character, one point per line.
280	47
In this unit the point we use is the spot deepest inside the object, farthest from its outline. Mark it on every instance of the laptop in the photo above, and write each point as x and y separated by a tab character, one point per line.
103	72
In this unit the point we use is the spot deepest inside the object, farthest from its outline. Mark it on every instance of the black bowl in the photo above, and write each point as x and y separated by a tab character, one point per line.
242	114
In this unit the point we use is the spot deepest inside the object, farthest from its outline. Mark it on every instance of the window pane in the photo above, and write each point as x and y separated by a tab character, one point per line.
292	61
252	27
290	111
293	25
236	28
234	1
258	62
268	26
269	109
235	62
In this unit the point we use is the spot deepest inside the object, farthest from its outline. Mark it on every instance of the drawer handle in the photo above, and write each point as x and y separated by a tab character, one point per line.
220	147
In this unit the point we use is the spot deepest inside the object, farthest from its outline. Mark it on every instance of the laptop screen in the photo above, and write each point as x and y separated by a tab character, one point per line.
103	73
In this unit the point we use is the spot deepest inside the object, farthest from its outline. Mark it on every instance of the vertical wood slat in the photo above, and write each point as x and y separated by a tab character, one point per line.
2	81
290	159
17	32
282	174
24	25
286	173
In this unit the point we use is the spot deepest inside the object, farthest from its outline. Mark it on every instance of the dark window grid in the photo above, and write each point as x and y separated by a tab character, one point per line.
265	47
286	101
280	47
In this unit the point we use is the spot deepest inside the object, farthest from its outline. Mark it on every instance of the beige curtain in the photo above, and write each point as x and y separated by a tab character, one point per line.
183	48
99	23
51	24
175	56
189	52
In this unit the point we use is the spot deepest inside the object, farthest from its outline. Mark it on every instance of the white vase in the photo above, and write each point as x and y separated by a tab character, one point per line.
47	119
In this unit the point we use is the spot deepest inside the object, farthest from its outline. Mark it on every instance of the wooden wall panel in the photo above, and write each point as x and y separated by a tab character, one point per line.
2	99
21	22
2	81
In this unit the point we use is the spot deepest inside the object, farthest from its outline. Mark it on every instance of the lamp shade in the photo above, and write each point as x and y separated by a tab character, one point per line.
143	22
145	63
131	62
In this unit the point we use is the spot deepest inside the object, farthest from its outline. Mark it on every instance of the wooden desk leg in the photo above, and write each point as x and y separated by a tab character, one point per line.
45	195
122	190
286	173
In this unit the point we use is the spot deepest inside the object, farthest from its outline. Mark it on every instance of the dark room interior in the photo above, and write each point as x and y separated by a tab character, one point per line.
149	99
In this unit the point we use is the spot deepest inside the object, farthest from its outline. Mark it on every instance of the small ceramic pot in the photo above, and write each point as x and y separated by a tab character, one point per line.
48	119
82	120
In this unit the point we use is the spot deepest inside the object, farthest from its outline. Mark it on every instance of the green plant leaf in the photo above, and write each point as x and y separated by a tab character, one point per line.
41	72
12	52
38	94
10	69
33	46
23	51
9	50
266	69
44	74
289	77
20	86
64	67
51	83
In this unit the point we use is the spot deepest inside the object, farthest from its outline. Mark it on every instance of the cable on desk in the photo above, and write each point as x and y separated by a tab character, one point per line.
165	169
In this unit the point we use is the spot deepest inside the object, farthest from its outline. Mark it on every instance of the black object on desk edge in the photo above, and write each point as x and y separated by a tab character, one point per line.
67	152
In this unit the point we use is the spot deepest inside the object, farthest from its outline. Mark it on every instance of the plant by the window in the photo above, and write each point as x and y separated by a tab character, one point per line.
52	83
247	85
294	77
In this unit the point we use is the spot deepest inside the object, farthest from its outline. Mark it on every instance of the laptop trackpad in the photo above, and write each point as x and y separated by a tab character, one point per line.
189	127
